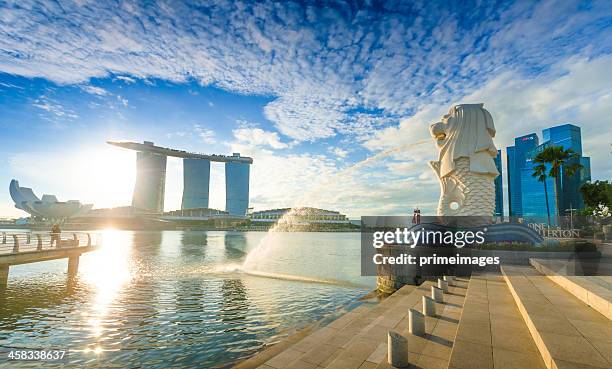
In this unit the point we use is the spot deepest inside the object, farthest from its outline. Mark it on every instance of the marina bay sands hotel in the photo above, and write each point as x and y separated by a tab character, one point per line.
151	178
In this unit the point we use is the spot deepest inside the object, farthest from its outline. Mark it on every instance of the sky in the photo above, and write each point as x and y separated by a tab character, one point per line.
333	100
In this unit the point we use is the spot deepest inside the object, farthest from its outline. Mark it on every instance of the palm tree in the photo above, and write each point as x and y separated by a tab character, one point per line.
539	171
561	162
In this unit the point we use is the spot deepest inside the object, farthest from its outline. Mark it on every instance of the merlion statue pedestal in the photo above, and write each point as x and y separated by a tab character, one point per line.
465	166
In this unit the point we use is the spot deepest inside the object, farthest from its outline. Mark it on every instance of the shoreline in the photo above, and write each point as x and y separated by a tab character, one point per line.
269	351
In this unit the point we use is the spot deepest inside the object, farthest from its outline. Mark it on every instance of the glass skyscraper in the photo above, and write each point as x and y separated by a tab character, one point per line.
499	190
237	188
525	193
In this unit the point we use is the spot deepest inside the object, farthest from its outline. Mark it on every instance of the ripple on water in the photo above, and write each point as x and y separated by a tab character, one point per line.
160	299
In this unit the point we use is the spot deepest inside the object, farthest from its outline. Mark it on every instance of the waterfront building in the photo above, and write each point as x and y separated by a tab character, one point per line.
150	181
196	183
499	190
237	187
525	193
47	207
151	178
298	216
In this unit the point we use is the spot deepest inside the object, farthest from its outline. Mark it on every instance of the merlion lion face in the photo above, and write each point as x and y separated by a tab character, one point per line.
438	131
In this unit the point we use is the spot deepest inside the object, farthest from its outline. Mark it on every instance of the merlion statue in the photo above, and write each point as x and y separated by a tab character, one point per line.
465	165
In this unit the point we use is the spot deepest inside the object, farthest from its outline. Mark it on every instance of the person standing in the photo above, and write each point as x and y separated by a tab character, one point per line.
55	235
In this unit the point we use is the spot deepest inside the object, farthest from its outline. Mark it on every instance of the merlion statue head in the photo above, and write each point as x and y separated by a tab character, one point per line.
466	131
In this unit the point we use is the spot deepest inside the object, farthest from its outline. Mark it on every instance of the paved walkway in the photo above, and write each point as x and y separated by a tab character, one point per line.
492	333
358	339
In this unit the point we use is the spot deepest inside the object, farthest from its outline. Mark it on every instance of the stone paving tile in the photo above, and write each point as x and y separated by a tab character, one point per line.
568	335
571	348
467	355
475	332
283	359
507	359
300	364
318	354
368	365
430	362
512	338
604	349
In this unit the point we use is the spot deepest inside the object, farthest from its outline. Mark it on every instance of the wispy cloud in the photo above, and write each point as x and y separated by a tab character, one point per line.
94	90
53	110
257	137
323	65
205	134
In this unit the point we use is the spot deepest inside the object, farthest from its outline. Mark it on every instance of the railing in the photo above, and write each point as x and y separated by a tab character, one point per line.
11	242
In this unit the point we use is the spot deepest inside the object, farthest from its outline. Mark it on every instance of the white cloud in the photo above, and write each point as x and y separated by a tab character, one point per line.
53	110
341	153
323	65
257	137
94	90
126	79
206	135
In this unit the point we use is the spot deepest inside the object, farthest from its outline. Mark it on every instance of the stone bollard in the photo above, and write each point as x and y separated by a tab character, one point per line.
39	242
15	243
429	307
416	322
450	280
443	285
397	350
437	294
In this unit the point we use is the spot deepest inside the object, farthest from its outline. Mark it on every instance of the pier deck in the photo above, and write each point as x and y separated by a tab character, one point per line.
24	248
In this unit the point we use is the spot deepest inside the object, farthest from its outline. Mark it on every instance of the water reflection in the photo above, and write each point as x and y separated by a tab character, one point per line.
158	299
234	245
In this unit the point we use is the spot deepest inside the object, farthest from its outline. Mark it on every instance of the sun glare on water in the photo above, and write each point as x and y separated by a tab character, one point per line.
107	273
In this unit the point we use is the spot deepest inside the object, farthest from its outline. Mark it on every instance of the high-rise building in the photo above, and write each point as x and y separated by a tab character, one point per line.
151	178
499	190
236	187
526	193
515	162
196	183
150	181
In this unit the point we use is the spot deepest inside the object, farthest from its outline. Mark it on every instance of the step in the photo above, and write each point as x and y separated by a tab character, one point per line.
492	333
595	291
360	340
568	333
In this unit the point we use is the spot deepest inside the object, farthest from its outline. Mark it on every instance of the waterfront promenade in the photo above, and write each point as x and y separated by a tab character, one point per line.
25	248
514	319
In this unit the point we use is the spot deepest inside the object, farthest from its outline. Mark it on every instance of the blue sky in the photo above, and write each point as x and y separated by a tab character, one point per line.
306	89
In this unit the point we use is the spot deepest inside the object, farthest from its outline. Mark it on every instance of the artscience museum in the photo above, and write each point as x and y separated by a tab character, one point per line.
47	207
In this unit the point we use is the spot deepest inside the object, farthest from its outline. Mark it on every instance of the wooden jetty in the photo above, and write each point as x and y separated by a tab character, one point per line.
33	247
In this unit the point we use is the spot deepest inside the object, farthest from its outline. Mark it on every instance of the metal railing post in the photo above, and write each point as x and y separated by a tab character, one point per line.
88	240
15	243
75	239
4	238
39	239
28	235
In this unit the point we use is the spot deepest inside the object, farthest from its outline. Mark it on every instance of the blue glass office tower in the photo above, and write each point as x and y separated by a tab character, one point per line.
499	190
525	193
236	187
196	183
568	136
516	158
